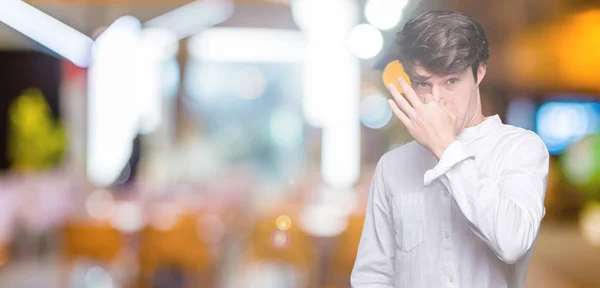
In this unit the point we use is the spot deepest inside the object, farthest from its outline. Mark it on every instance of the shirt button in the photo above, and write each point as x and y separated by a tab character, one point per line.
446	193
451	279
446	235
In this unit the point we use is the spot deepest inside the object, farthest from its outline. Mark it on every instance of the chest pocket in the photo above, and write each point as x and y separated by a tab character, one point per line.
409	219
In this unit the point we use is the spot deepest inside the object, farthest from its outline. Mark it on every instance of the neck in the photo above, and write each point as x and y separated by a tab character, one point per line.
477	115
476	120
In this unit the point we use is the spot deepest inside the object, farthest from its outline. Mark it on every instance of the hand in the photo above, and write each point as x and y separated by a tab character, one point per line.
431	123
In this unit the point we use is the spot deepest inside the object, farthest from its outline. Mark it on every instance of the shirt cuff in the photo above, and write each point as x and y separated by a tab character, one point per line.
454	154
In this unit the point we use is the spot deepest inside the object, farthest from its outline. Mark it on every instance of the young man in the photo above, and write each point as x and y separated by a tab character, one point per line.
461	206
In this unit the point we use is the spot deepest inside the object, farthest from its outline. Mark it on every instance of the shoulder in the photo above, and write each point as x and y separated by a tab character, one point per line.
405	165
410	151
521	139
524	145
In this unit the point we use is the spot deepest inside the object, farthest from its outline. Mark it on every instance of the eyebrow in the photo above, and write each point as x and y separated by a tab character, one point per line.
455	75
417	77
421	78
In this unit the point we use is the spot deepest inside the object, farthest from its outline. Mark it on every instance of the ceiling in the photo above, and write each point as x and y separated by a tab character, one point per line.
88	18
502	20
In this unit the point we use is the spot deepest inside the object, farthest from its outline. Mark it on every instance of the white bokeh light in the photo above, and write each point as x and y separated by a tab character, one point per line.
331	84
375	112
100	204
589	224
113	113
365	41
127	217
384	14
97	277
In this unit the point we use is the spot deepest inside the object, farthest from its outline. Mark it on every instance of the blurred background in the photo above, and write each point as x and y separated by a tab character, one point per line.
231	143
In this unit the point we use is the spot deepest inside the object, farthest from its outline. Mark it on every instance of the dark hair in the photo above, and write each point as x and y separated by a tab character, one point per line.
443	42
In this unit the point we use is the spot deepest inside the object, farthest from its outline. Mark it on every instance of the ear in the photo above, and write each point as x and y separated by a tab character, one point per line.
481	72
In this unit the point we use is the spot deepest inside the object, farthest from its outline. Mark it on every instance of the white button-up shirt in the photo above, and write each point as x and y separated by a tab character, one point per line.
469	220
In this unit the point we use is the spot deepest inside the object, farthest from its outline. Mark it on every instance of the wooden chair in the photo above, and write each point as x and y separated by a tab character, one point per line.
179	246
344	253
96	241
293	248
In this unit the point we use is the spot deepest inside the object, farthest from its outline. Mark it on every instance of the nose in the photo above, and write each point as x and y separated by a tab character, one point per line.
436	94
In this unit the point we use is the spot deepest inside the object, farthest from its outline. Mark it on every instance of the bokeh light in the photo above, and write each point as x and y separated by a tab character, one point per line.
365	41
97	277
581	162
164	216
127	217
590	224
283	222
280	239
560	124
326	218
384	14
100	204
375	112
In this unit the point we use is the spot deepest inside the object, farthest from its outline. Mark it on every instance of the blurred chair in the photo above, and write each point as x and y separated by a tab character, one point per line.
98	241
90	240
3	255
289	254
344	253
178	247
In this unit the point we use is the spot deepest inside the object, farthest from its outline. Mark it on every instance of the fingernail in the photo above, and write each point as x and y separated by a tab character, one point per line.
401	80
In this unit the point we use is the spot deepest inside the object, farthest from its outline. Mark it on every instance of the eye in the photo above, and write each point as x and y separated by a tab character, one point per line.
452	81
421	84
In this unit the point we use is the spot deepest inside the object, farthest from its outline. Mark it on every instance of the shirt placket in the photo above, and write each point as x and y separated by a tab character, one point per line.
450	275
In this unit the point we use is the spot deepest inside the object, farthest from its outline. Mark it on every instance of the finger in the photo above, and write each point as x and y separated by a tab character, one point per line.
409	93
445	108
448	107
408	110
429	97
403	118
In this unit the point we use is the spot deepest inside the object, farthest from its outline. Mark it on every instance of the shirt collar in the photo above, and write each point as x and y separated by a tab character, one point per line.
480	130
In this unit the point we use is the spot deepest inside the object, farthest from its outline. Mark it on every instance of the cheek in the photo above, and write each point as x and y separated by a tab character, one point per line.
458	107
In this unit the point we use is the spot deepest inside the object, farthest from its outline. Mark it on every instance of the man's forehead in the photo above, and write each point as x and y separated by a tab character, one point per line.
420	73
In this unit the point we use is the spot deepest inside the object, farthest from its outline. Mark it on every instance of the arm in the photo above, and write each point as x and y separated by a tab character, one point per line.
374	265
505	212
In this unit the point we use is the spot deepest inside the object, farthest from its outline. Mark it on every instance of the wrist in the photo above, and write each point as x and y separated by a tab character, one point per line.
443	145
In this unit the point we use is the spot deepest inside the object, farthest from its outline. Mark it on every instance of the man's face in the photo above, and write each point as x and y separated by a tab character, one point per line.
459	89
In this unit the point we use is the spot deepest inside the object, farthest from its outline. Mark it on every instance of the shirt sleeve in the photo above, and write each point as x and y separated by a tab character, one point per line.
505	212
374	264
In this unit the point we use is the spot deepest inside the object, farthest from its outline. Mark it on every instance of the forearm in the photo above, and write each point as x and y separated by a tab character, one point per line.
508	225
505	212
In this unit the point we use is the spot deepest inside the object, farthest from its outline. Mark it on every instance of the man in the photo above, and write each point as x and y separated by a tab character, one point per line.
461	206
